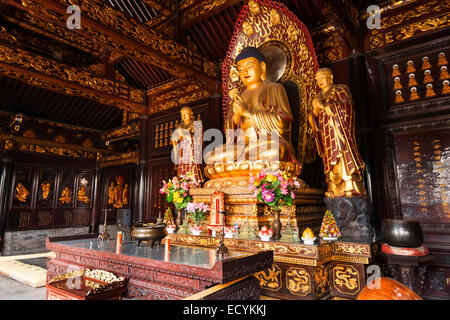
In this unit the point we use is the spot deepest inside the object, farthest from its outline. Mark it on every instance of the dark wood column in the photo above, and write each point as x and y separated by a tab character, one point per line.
95	214
6	174
365	122
142	181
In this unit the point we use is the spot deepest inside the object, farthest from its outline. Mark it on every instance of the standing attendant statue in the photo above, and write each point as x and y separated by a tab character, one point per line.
332	119
187	146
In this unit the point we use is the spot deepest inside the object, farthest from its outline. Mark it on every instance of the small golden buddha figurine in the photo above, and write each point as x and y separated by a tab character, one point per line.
65	196
410	67
187	146
442	61
45	187
261	112
22	192
412	80
82	196
118	192
254	7
399	97
430	92
427	77
248	29
397	83
111	193
414	95
445	87
395	71
426	63
444	73
125	194
333	122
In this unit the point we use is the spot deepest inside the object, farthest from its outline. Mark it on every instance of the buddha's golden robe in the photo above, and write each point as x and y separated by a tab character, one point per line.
268	118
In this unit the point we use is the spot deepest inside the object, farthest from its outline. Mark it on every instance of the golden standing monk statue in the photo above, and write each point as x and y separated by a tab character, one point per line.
262	112
333	122
187	146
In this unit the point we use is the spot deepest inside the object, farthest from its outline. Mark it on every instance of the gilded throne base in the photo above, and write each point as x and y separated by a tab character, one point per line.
241	206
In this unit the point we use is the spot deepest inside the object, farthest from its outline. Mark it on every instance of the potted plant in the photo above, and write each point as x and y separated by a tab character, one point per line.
177	191
275	190
198	212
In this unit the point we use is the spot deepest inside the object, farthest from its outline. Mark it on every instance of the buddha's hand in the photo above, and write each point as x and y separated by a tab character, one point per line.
238	106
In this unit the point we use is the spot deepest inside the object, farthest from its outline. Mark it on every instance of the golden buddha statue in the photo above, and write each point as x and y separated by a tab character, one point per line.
187	146
118	193
111	194
125	194
22	192
45	187
82	196
65	196
333	122
258	126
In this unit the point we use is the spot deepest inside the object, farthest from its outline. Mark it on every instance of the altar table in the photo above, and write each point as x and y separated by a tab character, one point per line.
155	273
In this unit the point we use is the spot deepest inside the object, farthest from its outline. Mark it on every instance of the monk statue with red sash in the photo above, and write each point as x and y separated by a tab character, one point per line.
332	119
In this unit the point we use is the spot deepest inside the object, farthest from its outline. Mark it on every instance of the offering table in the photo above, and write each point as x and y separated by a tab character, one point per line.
158	273
333	269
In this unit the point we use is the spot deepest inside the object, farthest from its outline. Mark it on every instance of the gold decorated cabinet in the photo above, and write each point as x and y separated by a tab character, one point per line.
302	272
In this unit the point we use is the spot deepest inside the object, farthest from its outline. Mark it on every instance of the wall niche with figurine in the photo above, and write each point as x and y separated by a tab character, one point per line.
46	197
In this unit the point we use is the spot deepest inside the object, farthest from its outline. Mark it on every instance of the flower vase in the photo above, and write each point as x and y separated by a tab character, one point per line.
179	220
276	224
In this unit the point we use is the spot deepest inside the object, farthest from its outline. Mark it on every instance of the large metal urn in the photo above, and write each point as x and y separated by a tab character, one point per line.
151	232
402	233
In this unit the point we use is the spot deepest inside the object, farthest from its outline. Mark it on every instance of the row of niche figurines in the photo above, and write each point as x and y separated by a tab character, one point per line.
427	80
22	193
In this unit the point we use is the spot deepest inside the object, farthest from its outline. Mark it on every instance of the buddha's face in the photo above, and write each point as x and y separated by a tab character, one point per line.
186	115
324	79
251	71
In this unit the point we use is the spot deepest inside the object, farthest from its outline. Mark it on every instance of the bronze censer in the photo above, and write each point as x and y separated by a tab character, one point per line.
151	232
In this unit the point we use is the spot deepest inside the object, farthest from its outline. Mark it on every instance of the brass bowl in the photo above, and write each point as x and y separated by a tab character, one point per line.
402	233
153	233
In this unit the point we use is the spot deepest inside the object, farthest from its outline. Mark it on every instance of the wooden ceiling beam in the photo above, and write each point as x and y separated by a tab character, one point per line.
156	5
112	29
203	9
52	75
336	15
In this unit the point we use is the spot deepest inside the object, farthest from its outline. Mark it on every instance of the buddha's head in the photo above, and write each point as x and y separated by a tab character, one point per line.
186	114
324	78
251	66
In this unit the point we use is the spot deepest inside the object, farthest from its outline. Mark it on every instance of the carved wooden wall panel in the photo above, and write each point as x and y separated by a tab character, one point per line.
411	103
49	197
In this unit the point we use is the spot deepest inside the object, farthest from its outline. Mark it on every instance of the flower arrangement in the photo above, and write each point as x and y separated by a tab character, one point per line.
198	211
177	191
265	233
274	189
329	229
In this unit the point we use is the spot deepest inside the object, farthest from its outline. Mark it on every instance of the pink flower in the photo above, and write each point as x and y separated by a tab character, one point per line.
292	195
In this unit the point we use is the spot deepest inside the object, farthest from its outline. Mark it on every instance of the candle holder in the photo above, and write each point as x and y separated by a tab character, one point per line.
104	235
222	249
